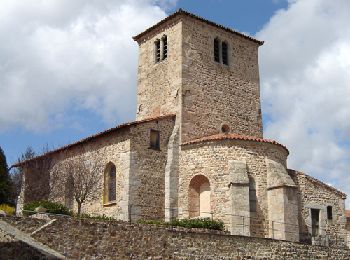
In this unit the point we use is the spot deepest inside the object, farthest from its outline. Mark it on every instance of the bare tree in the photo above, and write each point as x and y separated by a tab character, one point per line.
76	179
17	173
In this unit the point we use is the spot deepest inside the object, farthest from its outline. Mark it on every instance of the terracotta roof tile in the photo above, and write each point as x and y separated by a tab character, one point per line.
219	137
347	213
103	133
182	12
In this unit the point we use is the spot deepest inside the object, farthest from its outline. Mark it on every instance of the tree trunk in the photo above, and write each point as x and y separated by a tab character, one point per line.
79	208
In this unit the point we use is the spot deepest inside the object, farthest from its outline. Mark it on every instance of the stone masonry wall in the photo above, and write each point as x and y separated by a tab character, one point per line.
313	194
211	159
139	171
215	94
37	181
11	248
147	187
158	86
348	231
112	240
112	148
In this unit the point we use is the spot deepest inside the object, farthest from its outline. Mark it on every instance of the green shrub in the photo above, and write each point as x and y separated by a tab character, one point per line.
7	209
198	223
188	223
51	207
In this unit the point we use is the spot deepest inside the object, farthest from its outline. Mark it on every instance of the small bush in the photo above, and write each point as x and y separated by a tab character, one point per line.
199	223
7	209
51	207
189	223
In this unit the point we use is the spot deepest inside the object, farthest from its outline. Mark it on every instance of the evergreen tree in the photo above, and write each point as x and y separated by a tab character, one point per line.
5	180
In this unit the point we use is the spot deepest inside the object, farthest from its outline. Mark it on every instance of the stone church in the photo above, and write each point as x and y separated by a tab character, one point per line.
197	148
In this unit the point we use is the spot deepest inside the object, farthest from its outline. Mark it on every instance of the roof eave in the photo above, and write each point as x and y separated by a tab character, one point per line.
180	11
89	138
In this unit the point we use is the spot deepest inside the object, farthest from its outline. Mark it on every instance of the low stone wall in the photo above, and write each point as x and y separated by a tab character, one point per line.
10	248
27	225
117	240
90	239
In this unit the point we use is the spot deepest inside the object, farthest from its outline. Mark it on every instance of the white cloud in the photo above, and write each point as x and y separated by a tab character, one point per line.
57	54
305	66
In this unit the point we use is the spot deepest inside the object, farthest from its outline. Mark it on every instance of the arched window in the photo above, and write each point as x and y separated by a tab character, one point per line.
252	195
110	183
199	204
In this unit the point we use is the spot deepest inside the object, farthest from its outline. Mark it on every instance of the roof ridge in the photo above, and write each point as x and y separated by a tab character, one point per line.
182	11
91	137
318	181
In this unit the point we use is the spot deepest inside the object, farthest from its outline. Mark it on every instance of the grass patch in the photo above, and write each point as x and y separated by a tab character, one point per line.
7	209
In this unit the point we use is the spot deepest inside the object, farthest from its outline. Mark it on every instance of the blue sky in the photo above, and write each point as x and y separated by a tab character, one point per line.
68	70
244	16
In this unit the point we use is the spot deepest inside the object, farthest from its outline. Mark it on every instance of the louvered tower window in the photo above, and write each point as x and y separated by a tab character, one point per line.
165	47
157	50
224	53
216	50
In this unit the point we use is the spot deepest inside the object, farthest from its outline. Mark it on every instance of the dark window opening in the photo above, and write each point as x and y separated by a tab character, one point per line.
224	53
157	49
216	50
225	128
329	213
165	47
315	222
252	195
155	139
112	184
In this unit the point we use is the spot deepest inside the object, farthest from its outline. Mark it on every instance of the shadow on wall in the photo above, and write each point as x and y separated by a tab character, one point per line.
19	250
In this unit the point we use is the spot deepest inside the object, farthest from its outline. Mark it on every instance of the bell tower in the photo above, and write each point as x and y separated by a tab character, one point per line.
206	74
159	69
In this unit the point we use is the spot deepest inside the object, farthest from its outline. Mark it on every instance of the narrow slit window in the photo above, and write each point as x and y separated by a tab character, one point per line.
216	50
252	195
110	187
112	184
157	50
155	139
224	53
165	47
329	213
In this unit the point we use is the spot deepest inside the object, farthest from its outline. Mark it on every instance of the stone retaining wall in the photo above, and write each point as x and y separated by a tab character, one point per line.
12	248
119	240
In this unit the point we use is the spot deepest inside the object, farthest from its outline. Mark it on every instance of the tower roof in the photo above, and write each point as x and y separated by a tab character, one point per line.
181	12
